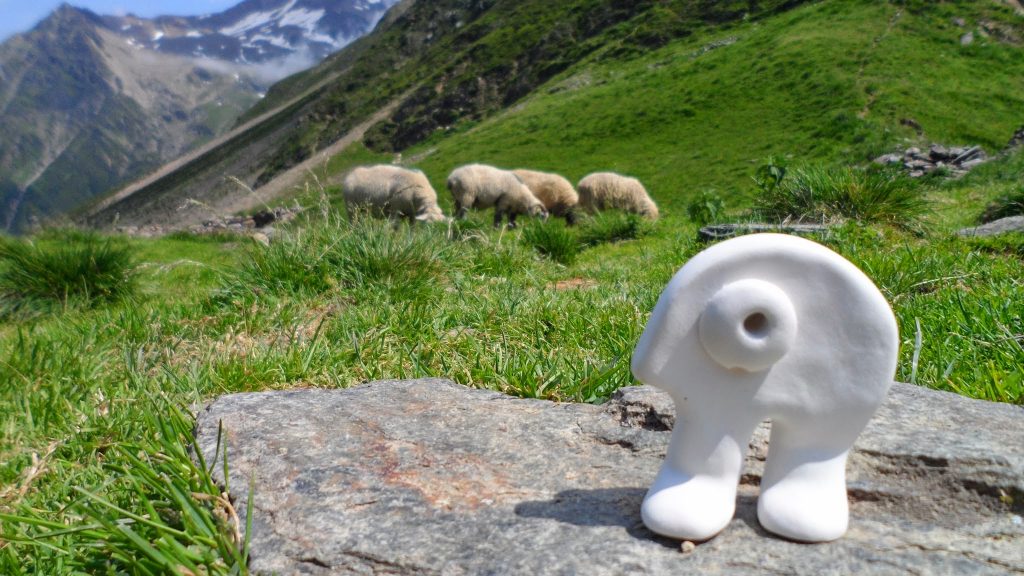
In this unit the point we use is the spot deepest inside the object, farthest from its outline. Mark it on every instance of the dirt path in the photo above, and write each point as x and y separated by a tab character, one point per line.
873	96
294	178
176	164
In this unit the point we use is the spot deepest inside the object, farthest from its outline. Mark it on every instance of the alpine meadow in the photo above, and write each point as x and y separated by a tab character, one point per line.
728	112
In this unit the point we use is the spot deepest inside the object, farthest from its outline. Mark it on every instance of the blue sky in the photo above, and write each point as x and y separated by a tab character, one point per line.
21	15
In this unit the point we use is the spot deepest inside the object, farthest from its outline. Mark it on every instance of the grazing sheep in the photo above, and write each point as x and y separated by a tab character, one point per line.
603	190
391	191
480	186
554	192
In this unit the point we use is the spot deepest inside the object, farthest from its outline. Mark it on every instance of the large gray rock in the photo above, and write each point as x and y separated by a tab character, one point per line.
428	477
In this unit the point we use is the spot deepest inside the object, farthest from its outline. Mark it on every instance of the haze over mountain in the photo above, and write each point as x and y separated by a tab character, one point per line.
88	101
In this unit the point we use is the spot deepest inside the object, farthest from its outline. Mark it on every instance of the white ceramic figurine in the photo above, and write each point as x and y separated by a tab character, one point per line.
764	326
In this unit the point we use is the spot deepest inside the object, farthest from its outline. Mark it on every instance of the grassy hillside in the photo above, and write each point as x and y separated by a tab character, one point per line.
95	475
445	61
833	82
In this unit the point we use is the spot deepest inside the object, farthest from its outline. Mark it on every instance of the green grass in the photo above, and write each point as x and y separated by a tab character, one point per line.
1009	204
95	435
611	226
822	195
553	240
62	270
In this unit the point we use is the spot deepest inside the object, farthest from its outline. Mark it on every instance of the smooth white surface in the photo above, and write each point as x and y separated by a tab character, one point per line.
749	324
764	326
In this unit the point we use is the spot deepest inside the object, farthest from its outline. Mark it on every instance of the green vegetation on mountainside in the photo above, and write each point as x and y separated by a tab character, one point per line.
832	82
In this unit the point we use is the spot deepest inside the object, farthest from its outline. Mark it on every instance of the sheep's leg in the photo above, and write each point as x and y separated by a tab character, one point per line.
570	217
497	217
512	219
460	211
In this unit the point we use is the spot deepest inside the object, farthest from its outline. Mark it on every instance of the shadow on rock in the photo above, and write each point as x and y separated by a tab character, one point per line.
597	507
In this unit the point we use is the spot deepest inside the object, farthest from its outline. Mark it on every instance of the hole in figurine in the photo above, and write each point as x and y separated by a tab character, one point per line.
756	325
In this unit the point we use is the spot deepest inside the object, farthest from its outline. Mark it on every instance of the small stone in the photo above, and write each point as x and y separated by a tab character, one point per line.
686	547
261	238
967	39
886	159
996	227
722	231
972	163
937	152
960	22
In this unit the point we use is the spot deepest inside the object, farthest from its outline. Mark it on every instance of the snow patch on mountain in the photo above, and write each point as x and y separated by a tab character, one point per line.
257	19
305	19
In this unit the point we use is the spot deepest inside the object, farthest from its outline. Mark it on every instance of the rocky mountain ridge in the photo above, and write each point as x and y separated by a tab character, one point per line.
256	31
88	102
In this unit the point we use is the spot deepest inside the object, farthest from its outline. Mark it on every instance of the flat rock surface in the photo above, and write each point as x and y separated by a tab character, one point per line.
428	477
996	227
723	231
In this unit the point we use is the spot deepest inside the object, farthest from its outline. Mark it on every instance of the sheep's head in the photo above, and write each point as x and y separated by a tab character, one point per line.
649	210
535	207
431	214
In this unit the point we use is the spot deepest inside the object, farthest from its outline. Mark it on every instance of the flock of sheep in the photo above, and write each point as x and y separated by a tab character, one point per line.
395	192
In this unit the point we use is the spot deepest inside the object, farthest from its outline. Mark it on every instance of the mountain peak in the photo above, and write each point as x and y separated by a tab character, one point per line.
65	16
257	31
88	101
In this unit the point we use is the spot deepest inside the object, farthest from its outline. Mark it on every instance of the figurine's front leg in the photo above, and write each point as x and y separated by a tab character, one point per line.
694	495
803	490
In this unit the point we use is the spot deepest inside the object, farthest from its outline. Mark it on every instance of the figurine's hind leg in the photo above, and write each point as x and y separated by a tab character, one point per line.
803	490
694	495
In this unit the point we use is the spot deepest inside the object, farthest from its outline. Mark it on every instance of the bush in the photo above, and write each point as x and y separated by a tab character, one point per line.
553	240
834	195
706	208
364	254
405	262
496	259
606	227
1009	204
63	270
468	228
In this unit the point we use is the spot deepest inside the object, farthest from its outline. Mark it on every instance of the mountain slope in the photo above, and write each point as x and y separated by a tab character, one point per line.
687	95
463	59
832	82
82	111
88	102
